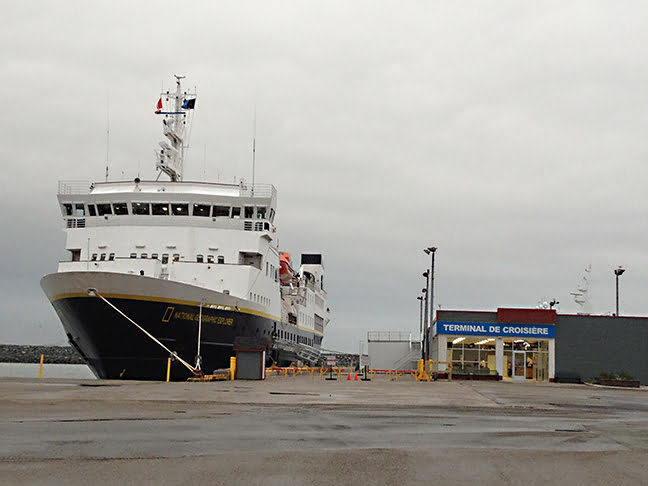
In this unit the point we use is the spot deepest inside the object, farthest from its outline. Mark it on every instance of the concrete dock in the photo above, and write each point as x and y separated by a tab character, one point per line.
307	431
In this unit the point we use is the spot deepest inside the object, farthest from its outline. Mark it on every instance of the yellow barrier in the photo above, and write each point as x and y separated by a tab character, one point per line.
232	373
168	369
40	371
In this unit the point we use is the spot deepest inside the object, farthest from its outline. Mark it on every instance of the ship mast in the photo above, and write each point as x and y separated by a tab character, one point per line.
174	125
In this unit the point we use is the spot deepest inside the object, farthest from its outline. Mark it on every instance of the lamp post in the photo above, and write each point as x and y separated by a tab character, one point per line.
431	250
618	272
421	298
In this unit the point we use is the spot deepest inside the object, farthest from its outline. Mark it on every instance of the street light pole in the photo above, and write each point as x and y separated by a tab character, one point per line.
618	272
430	294
420	299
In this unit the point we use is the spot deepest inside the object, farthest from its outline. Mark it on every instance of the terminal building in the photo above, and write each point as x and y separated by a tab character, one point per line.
539	344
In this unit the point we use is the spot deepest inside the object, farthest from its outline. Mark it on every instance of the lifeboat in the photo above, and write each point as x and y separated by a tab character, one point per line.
286	272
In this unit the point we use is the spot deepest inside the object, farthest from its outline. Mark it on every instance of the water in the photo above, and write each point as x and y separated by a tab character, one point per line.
30	370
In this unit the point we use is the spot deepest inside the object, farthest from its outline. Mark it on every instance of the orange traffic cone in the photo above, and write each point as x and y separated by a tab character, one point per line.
349	376
356	377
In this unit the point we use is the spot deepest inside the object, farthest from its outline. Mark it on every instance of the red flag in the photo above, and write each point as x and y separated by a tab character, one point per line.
159	106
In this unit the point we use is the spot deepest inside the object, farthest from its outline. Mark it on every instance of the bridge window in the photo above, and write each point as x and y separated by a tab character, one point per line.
103	209
67	209
133	255
165	258
144	255
79	209
236	213
102	257
220	211
200	258
92	210
201	210
176	257
94	257
249	212
221	259
160	209
120	208
210	258
154	256
261	212
111	257
141	208
272	215
180	209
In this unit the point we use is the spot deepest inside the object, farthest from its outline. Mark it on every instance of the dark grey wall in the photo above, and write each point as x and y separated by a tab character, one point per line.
588	345
466	316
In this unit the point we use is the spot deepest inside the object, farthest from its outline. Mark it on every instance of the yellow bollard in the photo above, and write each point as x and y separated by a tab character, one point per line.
232	367
40	371
168	369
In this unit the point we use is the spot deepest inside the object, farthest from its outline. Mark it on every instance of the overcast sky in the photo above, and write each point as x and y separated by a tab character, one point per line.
511	135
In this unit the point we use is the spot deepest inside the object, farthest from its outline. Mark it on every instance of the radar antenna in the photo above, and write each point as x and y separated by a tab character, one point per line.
581	294
179	107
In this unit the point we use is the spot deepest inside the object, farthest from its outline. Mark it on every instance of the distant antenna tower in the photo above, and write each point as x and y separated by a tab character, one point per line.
581	294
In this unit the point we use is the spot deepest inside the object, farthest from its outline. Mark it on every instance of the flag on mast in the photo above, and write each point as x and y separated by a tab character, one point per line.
189	104
159	106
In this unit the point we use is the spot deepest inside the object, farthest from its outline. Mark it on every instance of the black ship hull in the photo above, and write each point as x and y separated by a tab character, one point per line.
115	348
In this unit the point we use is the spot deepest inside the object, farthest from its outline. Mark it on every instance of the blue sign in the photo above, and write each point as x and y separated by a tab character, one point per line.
496	329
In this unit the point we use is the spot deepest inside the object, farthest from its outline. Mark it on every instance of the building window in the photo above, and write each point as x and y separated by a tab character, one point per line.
201	210
103	209
120	209
160	209
141	208
180	209
221	211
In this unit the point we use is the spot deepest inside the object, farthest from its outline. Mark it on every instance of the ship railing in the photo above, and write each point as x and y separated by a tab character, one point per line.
258	190
74	187
389	336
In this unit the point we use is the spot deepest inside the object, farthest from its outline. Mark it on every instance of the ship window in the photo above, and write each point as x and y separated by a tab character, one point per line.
92	210
180	209
94	257
272	215
67	209
154	256
261	212
144	255
201	210
210	258
120	208
249	212
102	257
266	226
236	213
160	209
79	209
103	209
165	258
200	258
111	257
221	211
176	257
133	255
141	208
221	259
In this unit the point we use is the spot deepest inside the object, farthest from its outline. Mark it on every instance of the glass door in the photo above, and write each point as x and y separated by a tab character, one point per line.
519	365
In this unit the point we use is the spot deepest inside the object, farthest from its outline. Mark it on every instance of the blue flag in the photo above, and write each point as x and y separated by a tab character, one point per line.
189	104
